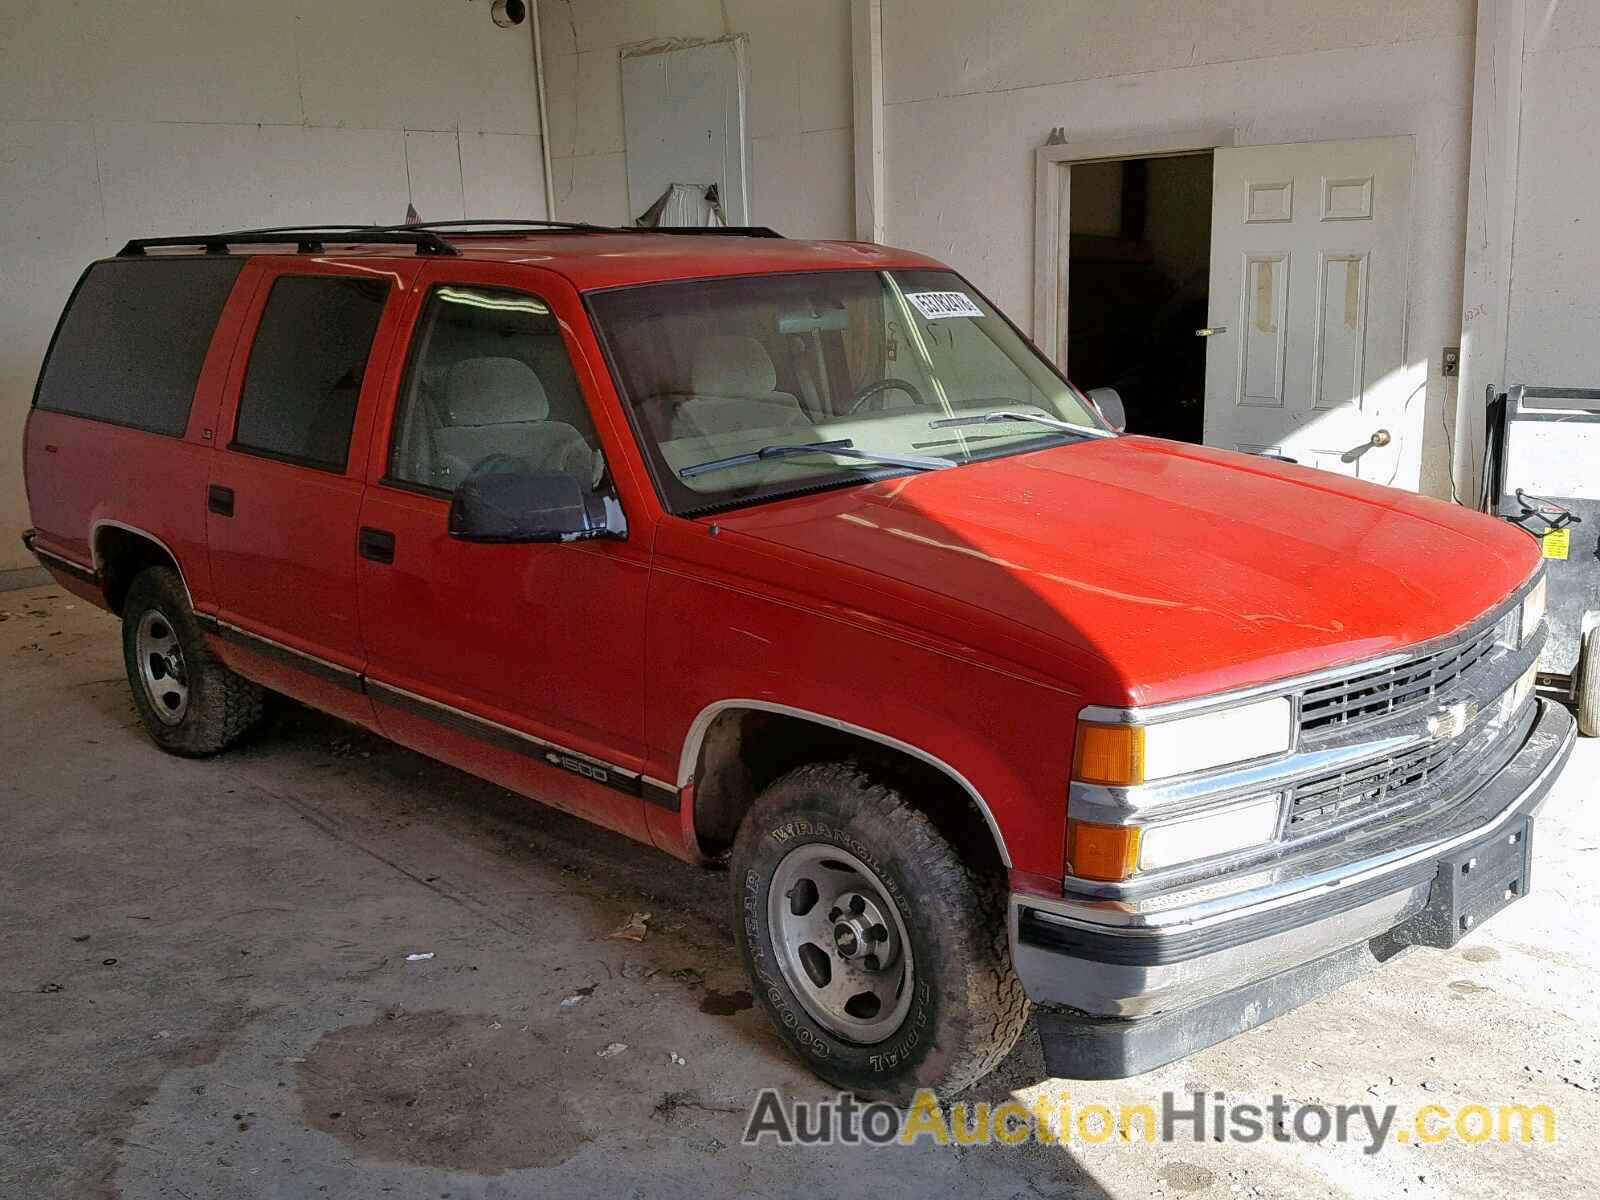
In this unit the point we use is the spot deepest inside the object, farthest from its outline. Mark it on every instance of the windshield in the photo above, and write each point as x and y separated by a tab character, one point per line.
719	374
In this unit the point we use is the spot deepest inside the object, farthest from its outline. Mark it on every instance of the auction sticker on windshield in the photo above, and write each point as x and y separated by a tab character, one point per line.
938	305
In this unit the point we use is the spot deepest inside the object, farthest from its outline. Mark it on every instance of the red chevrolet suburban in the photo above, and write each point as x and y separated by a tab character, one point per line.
797	557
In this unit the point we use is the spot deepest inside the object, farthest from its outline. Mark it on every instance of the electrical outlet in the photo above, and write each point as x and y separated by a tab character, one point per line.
1450	362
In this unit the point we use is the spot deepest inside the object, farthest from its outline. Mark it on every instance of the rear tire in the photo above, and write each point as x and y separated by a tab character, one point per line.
1589	685
189	702
880	955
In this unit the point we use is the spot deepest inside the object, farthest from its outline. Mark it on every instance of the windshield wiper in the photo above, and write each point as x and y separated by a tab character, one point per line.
990	418
843	448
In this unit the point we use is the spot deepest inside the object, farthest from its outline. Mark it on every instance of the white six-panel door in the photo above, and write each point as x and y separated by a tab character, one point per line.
1306	349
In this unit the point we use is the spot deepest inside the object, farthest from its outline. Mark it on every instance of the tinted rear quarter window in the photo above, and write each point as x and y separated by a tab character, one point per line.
304	378
133	339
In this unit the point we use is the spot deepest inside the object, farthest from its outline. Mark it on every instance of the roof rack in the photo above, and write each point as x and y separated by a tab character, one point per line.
755	231
424	235
493	225
498	225
308	239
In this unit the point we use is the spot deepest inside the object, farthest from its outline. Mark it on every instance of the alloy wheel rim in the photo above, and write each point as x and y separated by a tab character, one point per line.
841	943
161	667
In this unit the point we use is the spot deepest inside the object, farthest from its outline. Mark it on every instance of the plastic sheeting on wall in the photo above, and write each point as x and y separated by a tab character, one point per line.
684	204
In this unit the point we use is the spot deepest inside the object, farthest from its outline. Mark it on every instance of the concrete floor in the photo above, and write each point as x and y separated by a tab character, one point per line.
207	994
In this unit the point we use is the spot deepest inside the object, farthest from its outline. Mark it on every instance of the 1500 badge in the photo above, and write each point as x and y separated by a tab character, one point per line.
578	766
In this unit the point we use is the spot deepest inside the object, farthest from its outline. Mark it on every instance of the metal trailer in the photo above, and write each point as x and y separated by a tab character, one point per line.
1543	474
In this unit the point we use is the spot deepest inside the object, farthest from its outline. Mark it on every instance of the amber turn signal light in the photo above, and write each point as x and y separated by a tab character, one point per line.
1109	853
1111	754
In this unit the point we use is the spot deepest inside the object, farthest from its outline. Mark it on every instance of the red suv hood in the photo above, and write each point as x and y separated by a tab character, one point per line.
1176	570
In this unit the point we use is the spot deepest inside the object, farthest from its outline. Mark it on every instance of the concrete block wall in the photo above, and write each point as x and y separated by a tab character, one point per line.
124	118
120	119
1554	310
972	89
799	103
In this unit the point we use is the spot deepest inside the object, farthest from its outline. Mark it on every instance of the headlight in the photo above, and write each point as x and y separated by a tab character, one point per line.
1235	828
1123	755
1533	608
1111	853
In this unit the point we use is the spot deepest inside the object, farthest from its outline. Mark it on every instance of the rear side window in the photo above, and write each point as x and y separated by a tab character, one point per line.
305	372
133	339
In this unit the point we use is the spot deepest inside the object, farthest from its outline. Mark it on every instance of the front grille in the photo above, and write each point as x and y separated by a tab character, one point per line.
1346	795
1394	688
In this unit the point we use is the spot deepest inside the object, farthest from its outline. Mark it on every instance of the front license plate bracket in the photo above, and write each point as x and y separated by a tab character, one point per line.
1472	885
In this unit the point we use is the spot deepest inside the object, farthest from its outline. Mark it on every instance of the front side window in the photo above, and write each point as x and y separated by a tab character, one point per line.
304	377
734	385
490	389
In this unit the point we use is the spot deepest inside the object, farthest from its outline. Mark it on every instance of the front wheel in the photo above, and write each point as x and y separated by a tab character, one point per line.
190	703
880	955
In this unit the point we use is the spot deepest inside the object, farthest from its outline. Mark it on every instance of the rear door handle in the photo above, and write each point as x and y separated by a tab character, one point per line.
376	544
219	500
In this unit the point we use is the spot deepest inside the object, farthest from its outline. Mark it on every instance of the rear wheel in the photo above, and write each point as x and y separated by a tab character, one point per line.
1589	685
880	955
190	703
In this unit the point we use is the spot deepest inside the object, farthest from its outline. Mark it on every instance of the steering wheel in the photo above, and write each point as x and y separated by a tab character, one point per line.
877	388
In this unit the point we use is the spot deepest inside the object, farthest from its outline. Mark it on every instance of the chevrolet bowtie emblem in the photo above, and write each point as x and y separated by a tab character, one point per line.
1450	722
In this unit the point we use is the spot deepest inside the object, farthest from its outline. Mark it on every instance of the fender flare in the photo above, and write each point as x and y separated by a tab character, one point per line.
99	563
695	739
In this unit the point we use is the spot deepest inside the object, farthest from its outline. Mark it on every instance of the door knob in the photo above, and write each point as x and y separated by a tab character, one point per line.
1380	438
1211	331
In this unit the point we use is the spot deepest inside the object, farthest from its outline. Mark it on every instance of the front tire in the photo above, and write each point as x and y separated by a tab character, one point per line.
1589	684
880	955
189	702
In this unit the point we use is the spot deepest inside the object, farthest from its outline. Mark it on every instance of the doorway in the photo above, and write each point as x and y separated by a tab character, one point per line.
1291	343
1139	260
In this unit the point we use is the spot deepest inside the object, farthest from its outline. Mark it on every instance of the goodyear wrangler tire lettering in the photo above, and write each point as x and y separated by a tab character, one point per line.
959	1008
766	985
918	1018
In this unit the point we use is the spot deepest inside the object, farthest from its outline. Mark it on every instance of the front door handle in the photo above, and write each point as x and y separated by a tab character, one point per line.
219	500
376	544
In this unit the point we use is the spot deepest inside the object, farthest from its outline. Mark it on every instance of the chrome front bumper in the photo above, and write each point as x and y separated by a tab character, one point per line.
1122	963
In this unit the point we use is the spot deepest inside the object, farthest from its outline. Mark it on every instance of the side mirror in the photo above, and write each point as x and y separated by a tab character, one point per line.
531	506
1109	402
